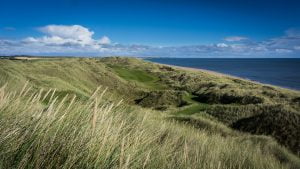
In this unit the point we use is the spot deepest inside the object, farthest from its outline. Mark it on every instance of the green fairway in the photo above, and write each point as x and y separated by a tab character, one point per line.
142	78
193	109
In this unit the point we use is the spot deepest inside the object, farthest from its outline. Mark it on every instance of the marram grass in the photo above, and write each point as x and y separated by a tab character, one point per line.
96	133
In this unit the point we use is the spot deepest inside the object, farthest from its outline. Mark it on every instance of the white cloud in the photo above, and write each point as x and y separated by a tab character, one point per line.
222	45
283	50
67	36
297	47
235	38
74	32
48	40
289	43
58	39
104	40
78	40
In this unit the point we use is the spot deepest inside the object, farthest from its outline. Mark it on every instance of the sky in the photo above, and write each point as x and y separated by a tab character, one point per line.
162	28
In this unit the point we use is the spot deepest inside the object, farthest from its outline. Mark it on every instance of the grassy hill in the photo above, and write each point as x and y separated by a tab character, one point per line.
54	115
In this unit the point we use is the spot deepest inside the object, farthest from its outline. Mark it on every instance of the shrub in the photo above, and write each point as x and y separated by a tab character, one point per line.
227	98
281	124
161	100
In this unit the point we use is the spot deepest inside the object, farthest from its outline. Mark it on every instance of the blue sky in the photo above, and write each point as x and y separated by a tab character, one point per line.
170	28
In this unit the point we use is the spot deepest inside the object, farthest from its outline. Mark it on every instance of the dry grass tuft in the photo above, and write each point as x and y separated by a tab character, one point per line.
69	133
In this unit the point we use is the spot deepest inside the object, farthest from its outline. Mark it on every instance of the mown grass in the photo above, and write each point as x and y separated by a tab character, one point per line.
136	75
195	108
143	78
100	134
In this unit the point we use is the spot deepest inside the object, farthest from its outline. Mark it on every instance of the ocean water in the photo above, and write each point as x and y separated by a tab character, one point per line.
279	72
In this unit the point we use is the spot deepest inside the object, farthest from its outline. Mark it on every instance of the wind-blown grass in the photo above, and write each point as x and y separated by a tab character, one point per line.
71	133
52	128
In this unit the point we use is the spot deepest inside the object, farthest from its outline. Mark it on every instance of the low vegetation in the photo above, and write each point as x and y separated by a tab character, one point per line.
145	115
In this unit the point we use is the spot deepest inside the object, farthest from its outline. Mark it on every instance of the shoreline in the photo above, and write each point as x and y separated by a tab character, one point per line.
227	76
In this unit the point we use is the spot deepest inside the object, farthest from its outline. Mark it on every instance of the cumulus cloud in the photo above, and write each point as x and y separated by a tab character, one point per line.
67	36
104	40
235	38
78	40
74	32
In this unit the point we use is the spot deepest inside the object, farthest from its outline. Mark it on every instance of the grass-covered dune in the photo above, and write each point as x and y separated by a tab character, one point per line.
128	113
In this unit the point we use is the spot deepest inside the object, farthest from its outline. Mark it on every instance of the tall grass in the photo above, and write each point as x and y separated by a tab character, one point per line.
70	133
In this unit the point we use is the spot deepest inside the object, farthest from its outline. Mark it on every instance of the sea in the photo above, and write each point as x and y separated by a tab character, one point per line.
280	72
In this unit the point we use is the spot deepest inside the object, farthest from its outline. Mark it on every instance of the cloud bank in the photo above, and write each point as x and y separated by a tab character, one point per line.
235	38
77	40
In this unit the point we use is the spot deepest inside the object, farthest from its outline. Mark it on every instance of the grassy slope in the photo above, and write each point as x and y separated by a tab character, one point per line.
72	75
194	98
275	111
